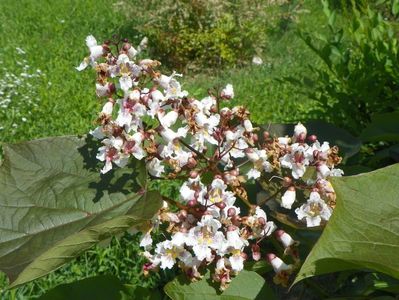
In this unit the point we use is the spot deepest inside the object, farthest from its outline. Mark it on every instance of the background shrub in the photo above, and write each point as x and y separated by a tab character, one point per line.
204	33
360	74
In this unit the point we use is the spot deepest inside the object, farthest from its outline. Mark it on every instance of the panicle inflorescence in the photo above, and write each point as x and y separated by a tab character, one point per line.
215	150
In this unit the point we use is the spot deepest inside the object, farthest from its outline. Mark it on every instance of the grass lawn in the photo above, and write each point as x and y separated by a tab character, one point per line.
57	100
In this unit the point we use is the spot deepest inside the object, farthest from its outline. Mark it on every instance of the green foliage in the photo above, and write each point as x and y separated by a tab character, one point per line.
55	204
246	285
363	231
361	68
203	33
100	287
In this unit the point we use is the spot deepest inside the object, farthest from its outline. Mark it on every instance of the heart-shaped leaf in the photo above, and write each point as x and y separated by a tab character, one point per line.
246	285
51	189
363	232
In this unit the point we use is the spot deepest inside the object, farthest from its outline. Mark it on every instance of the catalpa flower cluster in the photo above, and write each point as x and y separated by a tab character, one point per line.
216	152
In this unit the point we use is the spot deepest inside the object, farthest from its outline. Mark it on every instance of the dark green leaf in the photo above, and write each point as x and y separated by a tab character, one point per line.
51	189
383	127
247	285
103	287
363	231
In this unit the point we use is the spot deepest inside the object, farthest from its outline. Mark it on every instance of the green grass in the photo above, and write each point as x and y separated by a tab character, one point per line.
52	34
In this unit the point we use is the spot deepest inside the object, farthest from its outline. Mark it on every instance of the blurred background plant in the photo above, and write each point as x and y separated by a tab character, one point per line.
360	74
18	85
193	35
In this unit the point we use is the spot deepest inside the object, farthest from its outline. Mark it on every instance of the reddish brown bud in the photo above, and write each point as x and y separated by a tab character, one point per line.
316	154
270	256
278	233
221	205
214	109
125	40
106	48
234	172
312	138
193	174
255	138
287	181
244	255
301	138
111	88
183	213
256	255
231	212
266	135
236	220
191	163
262	221
126	46
192	203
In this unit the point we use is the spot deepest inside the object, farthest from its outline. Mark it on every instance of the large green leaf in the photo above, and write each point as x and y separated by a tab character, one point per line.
247	285
104	287
51	189
383	127
363	231
77	243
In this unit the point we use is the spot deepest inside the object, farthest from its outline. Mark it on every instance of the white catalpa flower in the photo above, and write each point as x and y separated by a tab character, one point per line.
146	241
206	127
168	253
155	168
96	51
300	130
218	193
288	198
169	135
98	133
228	92
168	119
314	211
285	239
111	153
205	237
108	108
132	145
259	224
260	161
277	264
173	150
296	160
192	189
